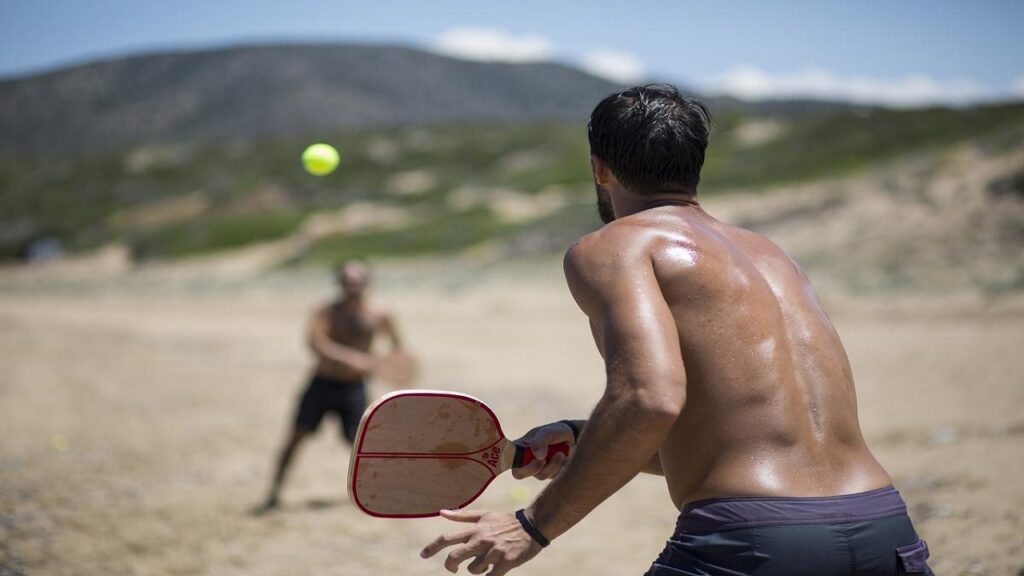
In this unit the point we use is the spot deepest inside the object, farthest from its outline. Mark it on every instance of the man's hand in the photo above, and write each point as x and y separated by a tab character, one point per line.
363	362
397	369
495	539
538	441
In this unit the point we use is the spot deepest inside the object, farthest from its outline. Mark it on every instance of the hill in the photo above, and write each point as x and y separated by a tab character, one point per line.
280	90
277	90
435	189
174	155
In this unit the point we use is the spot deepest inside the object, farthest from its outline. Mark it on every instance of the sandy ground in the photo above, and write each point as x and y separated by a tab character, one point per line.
139	428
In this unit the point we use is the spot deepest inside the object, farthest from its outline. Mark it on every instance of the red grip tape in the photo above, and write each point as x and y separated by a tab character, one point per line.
560	448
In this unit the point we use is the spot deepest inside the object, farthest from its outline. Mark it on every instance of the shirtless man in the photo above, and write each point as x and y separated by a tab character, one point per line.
341	335
724	375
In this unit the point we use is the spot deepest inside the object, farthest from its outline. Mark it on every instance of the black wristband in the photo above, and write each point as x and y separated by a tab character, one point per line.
531	529
572	426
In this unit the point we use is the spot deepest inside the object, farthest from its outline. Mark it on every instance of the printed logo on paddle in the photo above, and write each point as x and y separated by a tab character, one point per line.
491	456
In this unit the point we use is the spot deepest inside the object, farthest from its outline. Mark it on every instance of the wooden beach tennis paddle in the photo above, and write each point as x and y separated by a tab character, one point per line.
398	369
418	452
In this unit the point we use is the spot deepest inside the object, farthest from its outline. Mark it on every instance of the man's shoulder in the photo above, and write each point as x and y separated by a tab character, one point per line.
612	240
600	249
618	253
630	241
325	308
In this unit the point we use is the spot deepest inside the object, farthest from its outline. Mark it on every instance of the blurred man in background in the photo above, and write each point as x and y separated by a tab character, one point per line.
724	375
341	336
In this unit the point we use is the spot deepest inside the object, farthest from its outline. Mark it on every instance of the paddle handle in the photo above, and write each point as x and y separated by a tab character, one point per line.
524	455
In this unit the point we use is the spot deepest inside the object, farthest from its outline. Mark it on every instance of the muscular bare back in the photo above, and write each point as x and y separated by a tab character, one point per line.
770	406
722	373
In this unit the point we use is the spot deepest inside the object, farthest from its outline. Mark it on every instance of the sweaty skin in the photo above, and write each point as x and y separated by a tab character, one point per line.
341	336
724	374
341	333
714	336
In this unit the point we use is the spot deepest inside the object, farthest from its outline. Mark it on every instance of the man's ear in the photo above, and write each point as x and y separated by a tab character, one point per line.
602	173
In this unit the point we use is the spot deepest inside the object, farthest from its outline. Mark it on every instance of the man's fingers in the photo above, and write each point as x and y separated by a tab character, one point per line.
444	541
463	515
540	438
492	558
500	569
530	469
459	555
552	467
538	444
479	564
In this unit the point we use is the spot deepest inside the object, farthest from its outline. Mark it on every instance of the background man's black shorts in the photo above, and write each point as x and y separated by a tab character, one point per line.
346	399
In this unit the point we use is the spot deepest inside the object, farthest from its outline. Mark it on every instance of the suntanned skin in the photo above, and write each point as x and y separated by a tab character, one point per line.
724	374
341	335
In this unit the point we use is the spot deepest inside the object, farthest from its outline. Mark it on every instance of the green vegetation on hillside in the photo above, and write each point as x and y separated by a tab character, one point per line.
216	230
173	200
452	232
835	144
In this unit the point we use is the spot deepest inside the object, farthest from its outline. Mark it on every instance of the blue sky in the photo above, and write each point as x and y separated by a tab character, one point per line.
904	52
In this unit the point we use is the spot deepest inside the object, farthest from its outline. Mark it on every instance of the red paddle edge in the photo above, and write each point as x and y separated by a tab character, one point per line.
358	454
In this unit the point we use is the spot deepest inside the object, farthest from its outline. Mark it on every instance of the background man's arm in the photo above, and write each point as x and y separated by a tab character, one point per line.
390	330
646	383
326	349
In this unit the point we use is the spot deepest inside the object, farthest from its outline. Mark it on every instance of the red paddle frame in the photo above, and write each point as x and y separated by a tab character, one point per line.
488	457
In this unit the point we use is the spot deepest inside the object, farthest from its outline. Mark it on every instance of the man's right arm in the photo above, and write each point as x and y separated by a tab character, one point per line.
614	284
541	437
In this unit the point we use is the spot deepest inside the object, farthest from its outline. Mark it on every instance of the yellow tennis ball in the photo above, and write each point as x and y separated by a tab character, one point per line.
320	159
520	494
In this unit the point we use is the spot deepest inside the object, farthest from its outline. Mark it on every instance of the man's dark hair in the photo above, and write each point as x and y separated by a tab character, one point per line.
652	138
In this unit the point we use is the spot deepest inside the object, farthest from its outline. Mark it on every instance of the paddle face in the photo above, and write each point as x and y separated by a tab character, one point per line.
420	451
397	369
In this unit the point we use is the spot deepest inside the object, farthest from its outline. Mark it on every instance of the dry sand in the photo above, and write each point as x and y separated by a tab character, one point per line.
139	428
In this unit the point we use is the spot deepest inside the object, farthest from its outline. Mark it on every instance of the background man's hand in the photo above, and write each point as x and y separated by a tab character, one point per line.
538	441
495	539
398	369
364	363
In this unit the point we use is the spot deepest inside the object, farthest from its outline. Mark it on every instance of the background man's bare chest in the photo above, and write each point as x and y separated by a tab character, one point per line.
349	326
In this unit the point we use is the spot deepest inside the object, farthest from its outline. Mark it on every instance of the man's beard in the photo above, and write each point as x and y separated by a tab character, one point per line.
604	204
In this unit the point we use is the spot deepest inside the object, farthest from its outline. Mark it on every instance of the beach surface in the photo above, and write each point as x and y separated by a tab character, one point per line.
139	426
